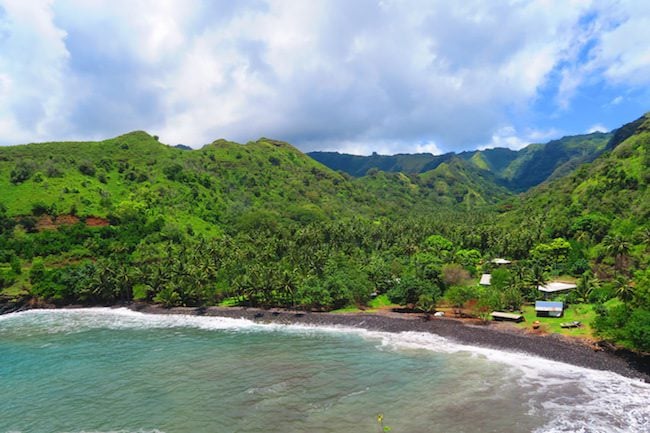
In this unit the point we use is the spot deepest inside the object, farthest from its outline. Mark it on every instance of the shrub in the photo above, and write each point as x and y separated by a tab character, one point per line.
28	223
21	172
6	280
173	172
459	295
40	208
168	297
410	289
53	171
87	168
638	329
37	272
454	274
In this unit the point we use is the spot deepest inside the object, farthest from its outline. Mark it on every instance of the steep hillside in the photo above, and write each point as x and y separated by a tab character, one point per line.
450	184
611	193
537	163
603	209
516	170
263	224
224	184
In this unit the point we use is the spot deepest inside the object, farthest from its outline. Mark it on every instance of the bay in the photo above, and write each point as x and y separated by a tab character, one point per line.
114	370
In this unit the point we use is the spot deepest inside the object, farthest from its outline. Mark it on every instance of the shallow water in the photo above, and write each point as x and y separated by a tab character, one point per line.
101	370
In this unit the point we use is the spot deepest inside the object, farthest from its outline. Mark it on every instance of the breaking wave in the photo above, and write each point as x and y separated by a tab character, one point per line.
570	398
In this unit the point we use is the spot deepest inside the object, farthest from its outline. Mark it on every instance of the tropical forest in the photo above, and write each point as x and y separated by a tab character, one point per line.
262	224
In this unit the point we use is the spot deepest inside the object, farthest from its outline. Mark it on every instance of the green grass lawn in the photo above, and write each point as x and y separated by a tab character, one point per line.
580	312
230	302
376	303
381	301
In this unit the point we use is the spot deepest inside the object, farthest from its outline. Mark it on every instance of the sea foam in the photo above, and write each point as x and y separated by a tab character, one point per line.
573	399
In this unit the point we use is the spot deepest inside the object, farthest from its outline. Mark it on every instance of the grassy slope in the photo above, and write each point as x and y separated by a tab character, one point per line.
221	185
608	198
517	170
538	162
451	183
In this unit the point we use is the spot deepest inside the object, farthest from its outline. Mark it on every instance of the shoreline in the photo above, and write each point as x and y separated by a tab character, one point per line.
551	347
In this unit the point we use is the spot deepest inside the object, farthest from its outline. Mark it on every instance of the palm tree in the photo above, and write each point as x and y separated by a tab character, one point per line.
585	286
618	247
624	289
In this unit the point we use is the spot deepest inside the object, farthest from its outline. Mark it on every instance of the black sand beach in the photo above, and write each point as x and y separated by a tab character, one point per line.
552	347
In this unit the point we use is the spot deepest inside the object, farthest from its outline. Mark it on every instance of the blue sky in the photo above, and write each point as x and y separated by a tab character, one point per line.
355	76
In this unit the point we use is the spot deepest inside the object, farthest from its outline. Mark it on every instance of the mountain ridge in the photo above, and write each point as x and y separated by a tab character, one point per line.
515	170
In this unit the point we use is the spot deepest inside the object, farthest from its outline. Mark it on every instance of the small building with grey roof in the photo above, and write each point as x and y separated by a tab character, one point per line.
549	309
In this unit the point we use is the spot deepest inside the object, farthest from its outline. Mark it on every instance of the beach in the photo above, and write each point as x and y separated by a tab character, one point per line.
551	347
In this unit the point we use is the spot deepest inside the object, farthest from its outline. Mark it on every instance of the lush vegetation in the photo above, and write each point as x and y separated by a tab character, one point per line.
515	170
262	224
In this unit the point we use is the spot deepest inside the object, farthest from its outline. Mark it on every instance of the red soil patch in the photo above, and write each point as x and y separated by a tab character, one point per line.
46	222
92	221
66	220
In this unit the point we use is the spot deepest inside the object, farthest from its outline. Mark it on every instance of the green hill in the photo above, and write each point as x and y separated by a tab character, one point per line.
451	184
263	224
603	209
537	163
358	166
516	170
612	190
223	184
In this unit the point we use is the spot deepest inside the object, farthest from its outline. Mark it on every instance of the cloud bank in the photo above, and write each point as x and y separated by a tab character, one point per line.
362	76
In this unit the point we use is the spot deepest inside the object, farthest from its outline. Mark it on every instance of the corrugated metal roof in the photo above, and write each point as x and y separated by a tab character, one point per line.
548	306
556	286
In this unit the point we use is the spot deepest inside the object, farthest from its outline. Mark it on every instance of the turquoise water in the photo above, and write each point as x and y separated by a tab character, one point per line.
101	370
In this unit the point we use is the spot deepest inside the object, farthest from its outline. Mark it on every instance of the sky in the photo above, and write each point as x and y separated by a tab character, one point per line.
362	76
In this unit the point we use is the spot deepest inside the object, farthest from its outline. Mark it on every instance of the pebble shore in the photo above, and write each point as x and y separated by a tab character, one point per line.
552	347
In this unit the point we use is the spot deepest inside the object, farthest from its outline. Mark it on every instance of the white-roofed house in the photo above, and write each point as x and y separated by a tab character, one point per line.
500	261
485	279
555	287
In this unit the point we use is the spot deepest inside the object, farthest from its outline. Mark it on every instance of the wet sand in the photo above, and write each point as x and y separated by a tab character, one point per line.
552	347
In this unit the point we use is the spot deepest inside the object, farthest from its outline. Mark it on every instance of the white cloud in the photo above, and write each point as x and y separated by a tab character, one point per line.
617	100
382	147
32	71
623	51
597	128
364	75
509	137
428	147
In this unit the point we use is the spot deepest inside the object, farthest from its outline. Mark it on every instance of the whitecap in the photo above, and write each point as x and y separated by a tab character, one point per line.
572	398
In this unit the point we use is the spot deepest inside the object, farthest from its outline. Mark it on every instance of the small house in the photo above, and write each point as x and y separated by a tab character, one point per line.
556	286
485	279
500	261
549	309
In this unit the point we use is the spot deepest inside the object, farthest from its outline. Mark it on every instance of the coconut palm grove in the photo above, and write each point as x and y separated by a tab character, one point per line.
262	224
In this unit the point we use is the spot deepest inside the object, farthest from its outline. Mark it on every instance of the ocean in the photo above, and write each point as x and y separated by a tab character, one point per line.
115	370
